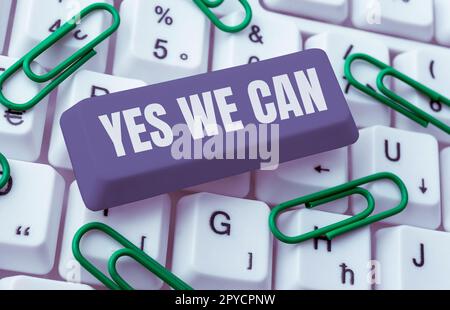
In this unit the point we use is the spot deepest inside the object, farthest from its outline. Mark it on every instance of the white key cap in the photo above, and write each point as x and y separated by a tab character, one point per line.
335	11
305	176
445	179
366	110
432	69
320	263
411	19
235	186
442	23
5	13
222	243
260	40
160	41
228	7
145	223
29	31
21	132
413	157
30	212
37	284
413	259
83	85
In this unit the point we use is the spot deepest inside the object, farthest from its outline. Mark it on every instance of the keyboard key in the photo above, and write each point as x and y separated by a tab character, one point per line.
29	31
145	223
305	176
236	186
366	110
335	11
222	243
413	259
30	212
5	14
320	263
84	84
259	41
21	132
442	23
431	68
160	41
414	157
37	284
410	19
445	179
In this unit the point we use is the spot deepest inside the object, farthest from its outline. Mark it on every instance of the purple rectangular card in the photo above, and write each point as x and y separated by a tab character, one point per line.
140	143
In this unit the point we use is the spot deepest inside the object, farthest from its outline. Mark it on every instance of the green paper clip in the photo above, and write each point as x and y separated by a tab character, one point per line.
393	100
334	193
65	68
207	5
130	250
6	171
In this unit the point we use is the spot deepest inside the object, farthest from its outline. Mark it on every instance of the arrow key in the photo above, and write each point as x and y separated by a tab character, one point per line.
305	176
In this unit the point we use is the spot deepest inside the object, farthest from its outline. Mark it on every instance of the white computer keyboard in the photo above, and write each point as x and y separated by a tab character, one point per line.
216	236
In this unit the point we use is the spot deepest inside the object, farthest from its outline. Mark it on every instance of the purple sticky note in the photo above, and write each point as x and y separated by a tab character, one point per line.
140	143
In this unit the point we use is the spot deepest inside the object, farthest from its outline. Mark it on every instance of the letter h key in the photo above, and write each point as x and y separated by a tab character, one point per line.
106	180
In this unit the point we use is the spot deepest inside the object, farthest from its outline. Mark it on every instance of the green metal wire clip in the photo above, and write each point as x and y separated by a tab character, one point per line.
357	221
6	171
393	100
130	250
65	68
207	5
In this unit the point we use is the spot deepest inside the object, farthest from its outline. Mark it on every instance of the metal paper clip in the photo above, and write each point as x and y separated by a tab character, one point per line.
130	250
6	171
392	99
207	5
331	194
65	68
